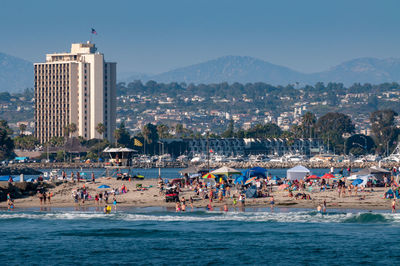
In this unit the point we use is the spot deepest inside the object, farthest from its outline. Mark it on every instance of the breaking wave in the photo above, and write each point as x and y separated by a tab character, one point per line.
199	216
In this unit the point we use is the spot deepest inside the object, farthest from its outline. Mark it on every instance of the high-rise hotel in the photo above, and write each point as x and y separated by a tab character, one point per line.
75	88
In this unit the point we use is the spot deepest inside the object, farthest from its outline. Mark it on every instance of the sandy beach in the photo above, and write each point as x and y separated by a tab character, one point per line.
62	197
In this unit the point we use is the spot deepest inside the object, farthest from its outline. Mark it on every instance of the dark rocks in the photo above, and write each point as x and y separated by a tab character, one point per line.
18	169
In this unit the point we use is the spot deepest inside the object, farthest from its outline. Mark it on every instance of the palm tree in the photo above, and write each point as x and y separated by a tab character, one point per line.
309	120
100	128
22	128
66	130
72	128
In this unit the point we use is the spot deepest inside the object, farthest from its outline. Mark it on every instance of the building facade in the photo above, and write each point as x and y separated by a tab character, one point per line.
75	88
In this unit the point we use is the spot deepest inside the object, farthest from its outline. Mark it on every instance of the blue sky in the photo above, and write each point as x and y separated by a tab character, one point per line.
155	36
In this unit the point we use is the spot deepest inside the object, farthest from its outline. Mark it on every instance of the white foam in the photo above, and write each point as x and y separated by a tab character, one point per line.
284	217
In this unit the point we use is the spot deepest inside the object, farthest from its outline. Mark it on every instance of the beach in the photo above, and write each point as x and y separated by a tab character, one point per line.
149	196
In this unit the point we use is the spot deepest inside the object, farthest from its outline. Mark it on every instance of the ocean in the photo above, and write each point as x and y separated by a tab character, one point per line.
159	236
168	173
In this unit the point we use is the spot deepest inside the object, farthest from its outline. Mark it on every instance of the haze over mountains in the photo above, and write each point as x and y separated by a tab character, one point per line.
16	74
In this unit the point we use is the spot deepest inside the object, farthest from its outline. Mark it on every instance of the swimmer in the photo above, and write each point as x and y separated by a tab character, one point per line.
319	208
324	206
225	208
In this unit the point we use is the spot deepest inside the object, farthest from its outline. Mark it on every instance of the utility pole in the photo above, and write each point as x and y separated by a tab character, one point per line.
208	151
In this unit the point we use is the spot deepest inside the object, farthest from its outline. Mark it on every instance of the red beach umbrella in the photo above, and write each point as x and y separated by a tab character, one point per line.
328	176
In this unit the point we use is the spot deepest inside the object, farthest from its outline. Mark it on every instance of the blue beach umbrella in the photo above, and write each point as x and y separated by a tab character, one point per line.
103	186
357	182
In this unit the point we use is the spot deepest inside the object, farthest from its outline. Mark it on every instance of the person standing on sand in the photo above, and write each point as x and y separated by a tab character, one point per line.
394	205
93	178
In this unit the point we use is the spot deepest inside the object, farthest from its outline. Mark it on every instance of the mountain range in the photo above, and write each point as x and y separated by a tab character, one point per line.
16	74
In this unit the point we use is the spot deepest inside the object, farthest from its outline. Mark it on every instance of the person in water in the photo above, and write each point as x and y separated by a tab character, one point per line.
319	208
225	208
272	202
324	206
394	206
107	209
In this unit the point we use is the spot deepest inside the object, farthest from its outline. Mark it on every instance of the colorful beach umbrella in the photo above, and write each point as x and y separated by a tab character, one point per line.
328	176
357	182
251	179
313	177
208	175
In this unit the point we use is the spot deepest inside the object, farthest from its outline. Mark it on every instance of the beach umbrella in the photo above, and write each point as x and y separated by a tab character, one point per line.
357	181
313	177
283	186
328	176
251	179
103	186
208	175
225	171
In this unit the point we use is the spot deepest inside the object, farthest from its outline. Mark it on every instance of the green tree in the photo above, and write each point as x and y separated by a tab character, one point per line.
122	136
60	156
359	144
162	131
100	128
308	121
150	133
25	142
72	128
230	131
332	126
6	143
384	129
22	128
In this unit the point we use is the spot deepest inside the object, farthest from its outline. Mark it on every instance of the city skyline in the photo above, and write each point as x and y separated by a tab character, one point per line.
152	38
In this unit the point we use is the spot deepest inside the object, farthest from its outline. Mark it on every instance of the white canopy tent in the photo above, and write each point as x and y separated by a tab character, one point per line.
298	172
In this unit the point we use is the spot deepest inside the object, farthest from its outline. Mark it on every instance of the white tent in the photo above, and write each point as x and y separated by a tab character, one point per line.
298	172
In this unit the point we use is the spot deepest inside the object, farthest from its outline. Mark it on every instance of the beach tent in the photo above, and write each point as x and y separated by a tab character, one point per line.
226	171
298	172
251	192
103	186
256	171
190	170
240	180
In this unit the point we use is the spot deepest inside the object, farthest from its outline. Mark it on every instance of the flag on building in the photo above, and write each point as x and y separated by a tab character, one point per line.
94	31
136	142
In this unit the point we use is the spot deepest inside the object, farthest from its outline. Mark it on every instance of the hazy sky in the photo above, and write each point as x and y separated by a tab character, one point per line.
155	36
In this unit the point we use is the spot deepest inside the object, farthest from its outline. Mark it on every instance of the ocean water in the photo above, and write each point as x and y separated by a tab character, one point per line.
165	172
159	236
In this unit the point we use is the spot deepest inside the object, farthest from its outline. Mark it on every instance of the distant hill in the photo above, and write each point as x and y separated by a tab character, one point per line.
248	69
16	74
362	70
231	69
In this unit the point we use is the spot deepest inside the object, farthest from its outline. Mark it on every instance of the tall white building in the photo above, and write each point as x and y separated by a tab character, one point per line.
75	88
